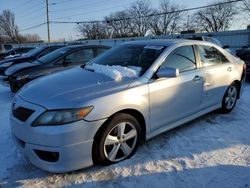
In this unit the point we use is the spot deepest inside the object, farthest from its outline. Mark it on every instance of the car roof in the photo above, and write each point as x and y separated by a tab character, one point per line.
85	45
166	42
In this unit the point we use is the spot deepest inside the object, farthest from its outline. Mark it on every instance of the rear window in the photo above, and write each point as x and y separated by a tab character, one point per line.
211	56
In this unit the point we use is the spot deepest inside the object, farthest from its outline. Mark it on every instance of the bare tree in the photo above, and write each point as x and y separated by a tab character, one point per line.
246	5
167	23
140	12
215	18
120	24
95	30
29	38
8	25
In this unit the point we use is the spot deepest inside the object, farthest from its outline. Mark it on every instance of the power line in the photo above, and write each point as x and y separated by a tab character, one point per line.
150	15
29	8
22	4
35	10
130	18
34	26
79	6
91	12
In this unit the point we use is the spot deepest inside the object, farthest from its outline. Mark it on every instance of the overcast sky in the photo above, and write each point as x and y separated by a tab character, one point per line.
32	12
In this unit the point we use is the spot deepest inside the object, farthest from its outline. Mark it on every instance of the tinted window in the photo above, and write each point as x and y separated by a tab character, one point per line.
211	56
80	56
101	50
54	55
7	47
181	58
47	51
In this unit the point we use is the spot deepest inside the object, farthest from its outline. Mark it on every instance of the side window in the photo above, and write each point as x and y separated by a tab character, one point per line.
80	56
100	50
211	56
45	52
181	58
7	47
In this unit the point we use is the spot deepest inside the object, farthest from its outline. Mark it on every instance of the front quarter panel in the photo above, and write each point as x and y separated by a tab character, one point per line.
135	98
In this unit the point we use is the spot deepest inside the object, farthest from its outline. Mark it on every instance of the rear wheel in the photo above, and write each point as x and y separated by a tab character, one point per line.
118	140
230	98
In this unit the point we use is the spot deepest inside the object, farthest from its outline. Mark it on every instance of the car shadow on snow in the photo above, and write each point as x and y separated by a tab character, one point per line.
214	176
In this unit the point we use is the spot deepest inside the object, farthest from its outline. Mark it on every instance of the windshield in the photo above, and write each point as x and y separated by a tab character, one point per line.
34	51
141	56
53	55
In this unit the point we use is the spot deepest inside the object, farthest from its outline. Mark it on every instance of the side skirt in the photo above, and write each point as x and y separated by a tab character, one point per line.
181	122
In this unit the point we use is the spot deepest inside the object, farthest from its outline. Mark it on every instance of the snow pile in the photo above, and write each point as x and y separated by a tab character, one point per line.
115	72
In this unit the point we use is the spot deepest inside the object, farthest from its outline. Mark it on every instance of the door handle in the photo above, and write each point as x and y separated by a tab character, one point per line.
229	69
197	78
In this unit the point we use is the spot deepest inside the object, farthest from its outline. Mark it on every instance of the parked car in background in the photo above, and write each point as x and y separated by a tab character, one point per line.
28	57
244	54
58	60
5	47
101	112
15	52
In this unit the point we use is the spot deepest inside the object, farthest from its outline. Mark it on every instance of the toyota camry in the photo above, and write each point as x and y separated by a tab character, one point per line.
102	111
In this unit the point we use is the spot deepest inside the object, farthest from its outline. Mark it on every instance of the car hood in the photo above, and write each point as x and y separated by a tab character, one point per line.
70	88
14	59
18	67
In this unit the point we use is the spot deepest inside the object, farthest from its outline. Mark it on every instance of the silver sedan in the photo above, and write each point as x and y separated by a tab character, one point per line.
101	112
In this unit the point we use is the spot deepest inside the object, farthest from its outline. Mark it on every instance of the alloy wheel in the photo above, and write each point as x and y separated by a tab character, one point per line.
231	97
120	141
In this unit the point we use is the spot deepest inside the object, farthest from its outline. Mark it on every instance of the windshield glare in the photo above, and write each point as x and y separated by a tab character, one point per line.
53	55
34	51
130	55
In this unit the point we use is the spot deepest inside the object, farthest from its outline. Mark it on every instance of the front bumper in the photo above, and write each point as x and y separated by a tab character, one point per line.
70	143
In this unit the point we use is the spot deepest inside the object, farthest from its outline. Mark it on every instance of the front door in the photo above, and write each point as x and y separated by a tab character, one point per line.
172	99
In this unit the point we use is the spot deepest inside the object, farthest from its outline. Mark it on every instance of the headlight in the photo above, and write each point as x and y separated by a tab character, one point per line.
21	77
59	117
6	64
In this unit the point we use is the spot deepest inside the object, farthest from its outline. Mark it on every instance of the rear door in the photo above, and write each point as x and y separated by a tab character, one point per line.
172	99
216	69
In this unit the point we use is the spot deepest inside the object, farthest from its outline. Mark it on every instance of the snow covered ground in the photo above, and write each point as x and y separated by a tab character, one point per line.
212	151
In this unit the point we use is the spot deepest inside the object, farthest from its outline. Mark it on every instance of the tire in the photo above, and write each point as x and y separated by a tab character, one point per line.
230	98
112	143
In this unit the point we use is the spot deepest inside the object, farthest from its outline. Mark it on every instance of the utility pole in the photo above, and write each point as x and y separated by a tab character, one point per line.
47	13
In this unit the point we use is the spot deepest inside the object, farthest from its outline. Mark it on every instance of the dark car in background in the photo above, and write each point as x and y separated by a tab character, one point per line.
61	59
5	47
28	57
15	52
244	54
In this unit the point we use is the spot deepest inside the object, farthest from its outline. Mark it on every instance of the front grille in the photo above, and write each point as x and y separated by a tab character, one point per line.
22	113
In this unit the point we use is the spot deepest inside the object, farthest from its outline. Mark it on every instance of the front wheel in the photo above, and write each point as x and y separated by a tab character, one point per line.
118	140
230	98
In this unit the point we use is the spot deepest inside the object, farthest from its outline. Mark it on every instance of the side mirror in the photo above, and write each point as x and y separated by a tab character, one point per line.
167	73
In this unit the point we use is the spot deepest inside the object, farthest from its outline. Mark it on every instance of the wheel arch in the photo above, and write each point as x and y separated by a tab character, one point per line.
136	114
238	84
